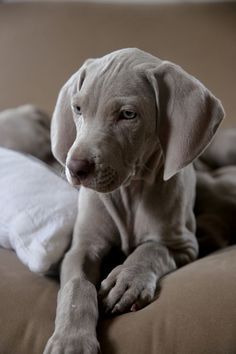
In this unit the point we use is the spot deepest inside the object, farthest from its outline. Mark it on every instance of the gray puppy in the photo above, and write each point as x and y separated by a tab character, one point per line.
127	127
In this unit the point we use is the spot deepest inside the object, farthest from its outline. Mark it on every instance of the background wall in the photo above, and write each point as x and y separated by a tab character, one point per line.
43	43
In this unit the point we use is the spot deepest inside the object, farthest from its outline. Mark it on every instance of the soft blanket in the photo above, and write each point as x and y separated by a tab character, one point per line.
38	211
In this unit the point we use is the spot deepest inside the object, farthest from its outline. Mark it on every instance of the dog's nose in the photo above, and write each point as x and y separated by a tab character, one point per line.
80	168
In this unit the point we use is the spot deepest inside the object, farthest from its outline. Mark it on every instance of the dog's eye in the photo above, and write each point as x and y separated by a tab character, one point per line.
77	110
128	115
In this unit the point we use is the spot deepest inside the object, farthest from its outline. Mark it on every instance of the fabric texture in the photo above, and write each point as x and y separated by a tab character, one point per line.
195	312
38	211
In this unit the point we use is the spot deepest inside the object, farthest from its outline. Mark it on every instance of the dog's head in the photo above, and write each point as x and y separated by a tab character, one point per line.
119	111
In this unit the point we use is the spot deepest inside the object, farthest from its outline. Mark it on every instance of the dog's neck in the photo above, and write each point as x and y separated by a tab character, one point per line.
149	170
122	203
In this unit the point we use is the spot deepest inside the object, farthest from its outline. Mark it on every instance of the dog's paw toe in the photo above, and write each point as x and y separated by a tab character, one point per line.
127	289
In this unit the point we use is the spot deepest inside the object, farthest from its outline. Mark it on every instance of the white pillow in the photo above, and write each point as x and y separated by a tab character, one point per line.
37	211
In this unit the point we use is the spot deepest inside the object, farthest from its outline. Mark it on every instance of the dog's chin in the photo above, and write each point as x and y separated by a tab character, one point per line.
101	184
112	185
101	187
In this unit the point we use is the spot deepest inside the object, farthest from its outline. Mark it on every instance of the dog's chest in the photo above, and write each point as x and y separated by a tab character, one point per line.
123	206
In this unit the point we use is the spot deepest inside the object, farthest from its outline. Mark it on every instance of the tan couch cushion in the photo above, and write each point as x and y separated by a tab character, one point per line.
195	312
42	44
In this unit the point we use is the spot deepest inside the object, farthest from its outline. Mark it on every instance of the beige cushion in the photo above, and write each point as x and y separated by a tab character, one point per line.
195	312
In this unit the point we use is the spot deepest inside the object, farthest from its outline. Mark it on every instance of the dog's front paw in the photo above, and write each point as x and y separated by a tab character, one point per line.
127	289
80	343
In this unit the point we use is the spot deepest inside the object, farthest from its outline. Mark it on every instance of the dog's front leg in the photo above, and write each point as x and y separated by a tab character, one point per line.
133	284
77	308
77	314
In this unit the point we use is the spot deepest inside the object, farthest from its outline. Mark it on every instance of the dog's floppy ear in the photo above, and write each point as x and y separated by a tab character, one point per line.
188	116
63	131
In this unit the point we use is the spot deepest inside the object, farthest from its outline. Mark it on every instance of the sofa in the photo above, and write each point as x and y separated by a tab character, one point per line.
42	44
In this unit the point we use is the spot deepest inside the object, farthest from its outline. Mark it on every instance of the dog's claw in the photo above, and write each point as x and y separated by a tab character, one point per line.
135	307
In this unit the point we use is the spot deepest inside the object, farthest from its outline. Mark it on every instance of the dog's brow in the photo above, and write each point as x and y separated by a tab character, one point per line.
125	100
77	98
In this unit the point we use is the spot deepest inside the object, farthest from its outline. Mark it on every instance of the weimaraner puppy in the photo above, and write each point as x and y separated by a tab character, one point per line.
127	127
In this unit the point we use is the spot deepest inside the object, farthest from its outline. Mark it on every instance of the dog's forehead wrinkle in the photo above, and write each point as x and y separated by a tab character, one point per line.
130	56
120	68
81	79
123	90
124	65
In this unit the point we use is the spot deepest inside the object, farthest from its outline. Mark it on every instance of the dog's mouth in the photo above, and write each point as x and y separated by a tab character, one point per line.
103	179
